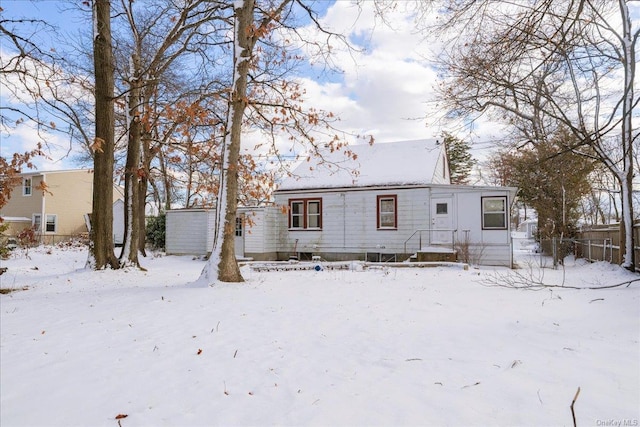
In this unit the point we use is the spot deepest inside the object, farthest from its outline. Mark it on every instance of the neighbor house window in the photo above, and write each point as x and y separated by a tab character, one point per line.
494	213
387	212
36	222
305	214
51	224
26	187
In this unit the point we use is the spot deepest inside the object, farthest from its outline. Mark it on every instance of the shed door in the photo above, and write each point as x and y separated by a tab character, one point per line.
441	220
239	243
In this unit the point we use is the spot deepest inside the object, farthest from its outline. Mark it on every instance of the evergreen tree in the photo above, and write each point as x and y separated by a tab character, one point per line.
460	160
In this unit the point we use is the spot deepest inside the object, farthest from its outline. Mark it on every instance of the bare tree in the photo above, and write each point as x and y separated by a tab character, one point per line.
25	69
272	104
545	65
246	34
101	245
158	40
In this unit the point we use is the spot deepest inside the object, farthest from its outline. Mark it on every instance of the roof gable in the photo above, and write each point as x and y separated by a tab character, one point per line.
380	164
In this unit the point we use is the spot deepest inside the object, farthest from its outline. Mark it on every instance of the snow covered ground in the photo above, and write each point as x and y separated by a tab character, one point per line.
382	346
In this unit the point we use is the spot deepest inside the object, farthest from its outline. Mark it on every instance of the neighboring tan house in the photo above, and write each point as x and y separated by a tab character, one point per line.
56	209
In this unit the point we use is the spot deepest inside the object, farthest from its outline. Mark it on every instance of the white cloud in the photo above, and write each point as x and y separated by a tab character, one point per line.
385	86
25	137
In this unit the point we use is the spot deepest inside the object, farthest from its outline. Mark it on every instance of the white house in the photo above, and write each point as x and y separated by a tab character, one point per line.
382	202
396	202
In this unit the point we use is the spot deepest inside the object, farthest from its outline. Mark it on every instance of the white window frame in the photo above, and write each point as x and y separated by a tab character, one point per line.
36	222
54	222
27	186
50	219
300	220
316	216
296	219
504	212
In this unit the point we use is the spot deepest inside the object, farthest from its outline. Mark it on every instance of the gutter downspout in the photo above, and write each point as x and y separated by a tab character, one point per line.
429	219
43	218
344	220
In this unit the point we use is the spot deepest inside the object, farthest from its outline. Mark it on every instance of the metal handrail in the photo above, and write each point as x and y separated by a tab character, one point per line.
453	240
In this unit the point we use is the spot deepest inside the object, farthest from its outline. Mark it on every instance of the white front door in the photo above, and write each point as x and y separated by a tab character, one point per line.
441	220
239	242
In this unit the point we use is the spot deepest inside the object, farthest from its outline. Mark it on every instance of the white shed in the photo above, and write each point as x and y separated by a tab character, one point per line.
190	232
118	222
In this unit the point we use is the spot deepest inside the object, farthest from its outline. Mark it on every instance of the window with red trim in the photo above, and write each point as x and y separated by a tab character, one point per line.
387	212
305	214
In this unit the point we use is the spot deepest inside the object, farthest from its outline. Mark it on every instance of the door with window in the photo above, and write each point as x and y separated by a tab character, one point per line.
239	242
441	220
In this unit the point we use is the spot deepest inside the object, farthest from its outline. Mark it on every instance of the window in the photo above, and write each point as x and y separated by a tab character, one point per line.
296	220
313	214
26	187
387	212
239	226
50	225
305	214
36	222
442	208
494	213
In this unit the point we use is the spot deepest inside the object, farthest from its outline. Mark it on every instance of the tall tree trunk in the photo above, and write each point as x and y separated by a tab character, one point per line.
166	181
142	219
129	254
101	253
144	185
228	270
626	183
223	264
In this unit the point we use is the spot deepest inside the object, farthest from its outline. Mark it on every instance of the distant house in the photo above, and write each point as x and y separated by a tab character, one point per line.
393	201
398	204
58	212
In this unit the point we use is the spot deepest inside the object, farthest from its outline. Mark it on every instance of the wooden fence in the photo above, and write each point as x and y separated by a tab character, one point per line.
602	243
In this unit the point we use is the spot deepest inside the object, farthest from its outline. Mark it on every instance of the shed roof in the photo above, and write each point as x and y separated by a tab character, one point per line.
391	163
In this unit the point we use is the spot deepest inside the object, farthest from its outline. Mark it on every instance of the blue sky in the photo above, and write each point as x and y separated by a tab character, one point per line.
385	90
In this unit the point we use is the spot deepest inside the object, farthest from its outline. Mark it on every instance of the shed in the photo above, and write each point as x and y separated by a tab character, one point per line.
118	222
190	232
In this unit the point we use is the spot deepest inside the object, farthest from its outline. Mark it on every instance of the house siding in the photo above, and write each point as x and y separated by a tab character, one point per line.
68	195
441	170
189	231
69	198
349	219
261	233
25	206
486	247
350	223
